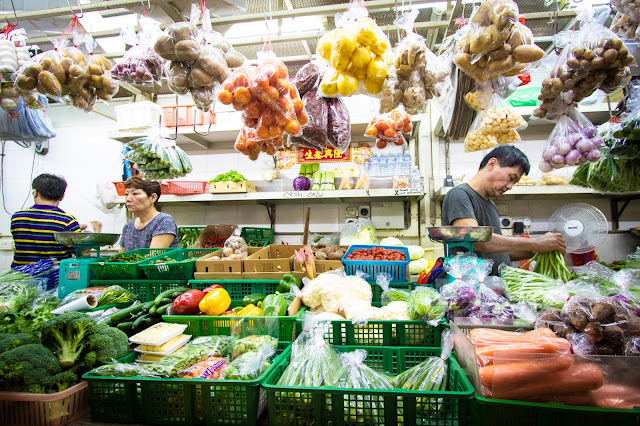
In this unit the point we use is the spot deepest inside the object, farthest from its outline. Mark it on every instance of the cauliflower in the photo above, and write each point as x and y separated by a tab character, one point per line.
394	310
333	292
359	288
313	290
360	310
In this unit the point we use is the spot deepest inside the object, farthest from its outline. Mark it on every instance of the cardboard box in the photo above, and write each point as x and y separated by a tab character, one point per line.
217	230
272	258
321	265
245	275
208	265
230	187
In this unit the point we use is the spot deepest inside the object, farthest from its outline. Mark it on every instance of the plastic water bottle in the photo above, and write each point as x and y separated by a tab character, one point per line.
406	165
396	165
415	178
384	166
375	166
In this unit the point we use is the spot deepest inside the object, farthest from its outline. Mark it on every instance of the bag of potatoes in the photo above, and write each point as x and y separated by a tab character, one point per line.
592	58
42	73
358	54
497	124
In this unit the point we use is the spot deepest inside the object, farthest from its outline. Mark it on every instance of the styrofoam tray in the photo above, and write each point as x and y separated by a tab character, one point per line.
169	332
173	344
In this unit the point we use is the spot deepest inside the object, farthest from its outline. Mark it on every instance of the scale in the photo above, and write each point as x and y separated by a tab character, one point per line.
583	226
455	237
75	273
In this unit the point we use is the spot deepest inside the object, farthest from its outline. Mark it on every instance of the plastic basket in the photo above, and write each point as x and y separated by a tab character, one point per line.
187	115
125	271
500	412
183	269
179	401
396	270
203	325
53	409
137	115
120	189
187	187
238	289
145	290
260	237
377	291
327	405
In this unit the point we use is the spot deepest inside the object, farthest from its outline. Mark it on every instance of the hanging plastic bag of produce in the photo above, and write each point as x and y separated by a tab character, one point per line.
567	145
358	54
630	9
592	58
338	124
495	43
141	64
497	124
235	246
314	134
389	128
624	26
307	78
249	144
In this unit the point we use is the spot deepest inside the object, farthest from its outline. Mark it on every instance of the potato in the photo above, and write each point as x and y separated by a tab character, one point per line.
320	255
610	56
33	70
234	58
56	69
203	97
463	60
179	75
25	83
182	31
8	104
95	69
49	83
187	50
480	42
199	78
101	61
165	47
210	65
502	65
527	54
481	17
501	52
503	13
95	81
336	255
517	69
66	63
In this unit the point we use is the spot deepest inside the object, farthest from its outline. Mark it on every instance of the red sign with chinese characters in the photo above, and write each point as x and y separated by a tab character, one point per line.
328	155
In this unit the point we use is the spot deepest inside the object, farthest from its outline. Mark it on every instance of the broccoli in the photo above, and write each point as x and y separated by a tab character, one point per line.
104	344
63	381
28	368
10	341
66	335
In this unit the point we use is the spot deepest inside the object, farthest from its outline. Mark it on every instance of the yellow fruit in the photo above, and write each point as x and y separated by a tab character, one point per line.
344	43
347	84
361	57
359	73
373	87
329	85
380	45
324	45
366	31
377	70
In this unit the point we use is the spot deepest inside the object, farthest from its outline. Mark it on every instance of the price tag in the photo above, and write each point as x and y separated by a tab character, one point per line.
408	191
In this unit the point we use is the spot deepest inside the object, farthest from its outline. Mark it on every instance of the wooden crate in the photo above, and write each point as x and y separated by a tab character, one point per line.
321	265
208	268
231	187
273	258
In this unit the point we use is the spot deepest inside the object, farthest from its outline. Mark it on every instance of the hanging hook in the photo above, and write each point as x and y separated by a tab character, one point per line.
194	122
148	4
175	136
14	14
74	13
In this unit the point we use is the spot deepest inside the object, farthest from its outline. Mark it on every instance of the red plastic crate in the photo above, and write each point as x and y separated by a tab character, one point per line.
164	188
187	187
188	115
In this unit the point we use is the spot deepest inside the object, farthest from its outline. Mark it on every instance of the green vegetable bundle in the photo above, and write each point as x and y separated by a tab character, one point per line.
522	285
252	343
16	290
187	237
158	158
552	265
425	303
230	176
249	365
127	258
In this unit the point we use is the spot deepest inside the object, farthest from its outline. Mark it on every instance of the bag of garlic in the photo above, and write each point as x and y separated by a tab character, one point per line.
497	124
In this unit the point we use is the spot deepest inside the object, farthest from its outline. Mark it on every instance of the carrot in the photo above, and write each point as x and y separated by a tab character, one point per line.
617	396
579	378
511	373
576	398
486	336
485	354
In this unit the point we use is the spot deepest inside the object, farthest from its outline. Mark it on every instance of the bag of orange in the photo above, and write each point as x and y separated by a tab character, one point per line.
389	128
249	144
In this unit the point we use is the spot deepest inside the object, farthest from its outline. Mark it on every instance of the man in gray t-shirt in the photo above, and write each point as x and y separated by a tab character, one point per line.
471	204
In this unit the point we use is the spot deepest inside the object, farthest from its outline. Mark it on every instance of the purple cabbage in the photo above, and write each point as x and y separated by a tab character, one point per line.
301	183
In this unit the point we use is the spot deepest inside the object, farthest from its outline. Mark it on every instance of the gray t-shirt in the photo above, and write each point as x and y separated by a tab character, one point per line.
133	238
464	202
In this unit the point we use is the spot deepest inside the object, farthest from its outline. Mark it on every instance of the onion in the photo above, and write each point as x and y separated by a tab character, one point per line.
545	167
549	152
597	141
589	132
573	157
585	145
558	159
593	155
564	149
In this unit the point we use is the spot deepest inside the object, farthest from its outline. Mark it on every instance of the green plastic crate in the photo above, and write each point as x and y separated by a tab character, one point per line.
125	271
263	236
380	333
183	269
145	290
326	405
500	412
238	289
179	401
203	325
377	291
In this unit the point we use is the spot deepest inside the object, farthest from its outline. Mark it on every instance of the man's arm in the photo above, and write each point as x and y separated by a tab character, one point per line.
522	248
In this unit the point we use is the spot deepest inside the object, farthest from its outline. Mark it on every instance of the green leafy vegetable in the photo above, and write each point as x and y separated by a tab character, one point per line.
231	175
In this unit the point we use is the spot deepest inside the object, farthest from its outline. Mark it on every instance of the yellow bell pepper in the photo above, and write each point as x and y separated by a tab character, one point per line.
215	302
250	310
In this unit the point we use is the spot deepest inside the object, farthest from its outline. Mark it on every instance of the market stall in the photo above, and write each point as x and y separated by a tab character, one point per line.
297	215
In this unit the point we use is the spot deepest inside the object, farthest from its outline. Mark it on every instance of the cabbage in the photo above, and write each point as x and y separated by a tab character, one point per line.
366	236
415	252
391	241
418	266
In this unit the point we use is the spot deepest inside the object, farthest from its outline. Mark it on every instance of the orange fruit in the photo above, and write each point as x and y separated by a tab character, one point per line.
225	97
274	130
279	141
371	130
271	149
390	133
298	106
268	117
238	106
241	145
407	128
293	127
272	93
262	132
303	118
283	72
254	108
242	95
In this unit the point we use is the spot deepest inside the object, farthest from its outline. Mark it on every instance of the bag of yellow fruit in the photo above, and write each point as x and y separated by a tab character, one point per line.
357	53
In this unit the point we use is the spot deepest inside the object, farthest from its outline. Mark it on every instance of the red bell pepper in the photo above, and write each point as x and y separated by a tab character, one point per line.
211	287
187	303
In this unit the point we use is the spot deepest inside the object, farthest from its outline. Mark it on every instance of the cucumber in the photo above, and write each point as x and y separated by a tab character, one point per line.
171	293
124	313
125	325
163	309
153	310
138	321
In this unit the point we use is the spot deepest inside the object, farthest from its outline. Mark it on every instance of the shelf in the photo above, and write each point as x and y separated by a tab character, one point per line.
223	133
537	192
353	195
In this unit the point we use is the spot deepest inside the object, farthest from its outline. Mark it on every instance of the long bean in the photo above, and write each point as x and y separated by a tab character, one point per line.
552	265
